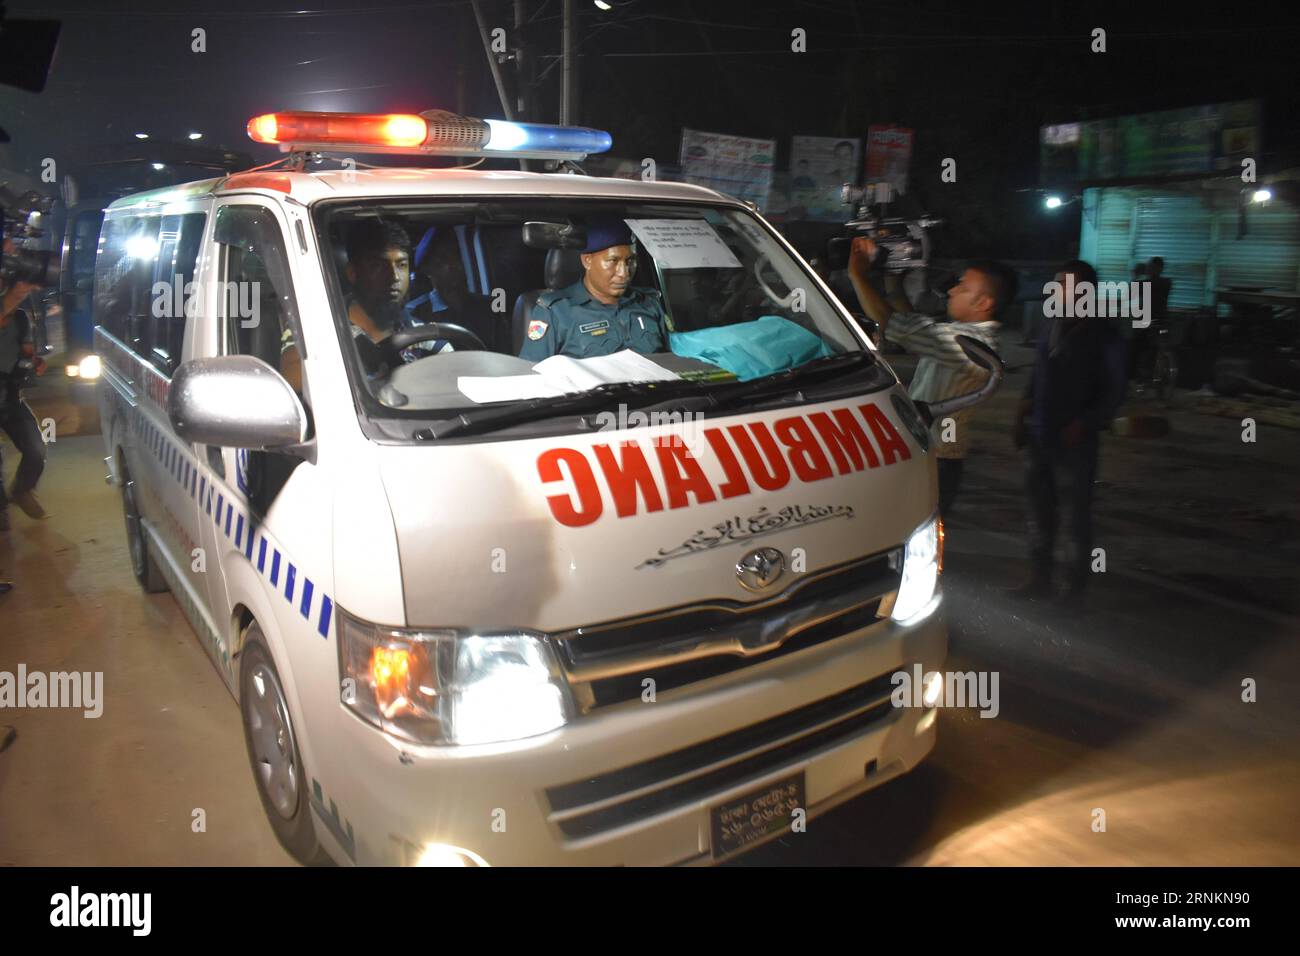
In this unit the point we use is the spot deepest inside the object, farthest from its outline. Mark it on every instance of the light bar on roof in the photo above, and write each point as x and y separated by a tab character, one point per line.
434	132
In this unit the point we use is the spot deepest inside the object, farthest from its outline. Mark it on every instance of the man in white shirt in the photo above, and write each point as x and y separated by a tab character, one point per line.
944	371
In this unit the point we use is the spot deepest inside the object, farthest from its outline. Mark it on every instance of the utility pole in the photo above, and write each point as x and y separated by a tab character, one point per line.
493	65
569	78
523	64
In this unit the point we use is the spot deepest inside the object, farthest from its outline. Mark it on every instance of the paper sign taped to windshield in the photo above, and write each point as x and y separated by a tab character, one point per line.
683	244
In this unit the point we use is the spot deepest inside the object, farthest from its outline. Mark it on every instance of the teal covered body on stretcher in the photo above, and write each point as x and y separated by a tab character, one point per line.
751	350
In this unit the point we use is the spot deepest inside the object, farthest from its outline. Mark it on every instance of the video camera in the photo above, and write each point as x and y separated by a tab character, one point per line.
904	244
21	222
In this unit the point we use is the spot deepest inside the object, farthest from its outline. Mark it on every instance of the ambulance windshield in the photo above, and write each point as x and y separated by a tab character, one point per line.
451	305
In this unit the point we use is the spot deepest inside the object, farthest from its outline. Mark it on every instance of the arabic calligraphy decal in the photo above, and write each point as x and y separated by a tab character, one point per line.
736	529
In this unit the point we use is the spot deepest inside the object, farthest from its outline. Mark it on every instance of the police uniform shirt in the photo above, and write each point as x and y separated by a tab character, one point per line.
571	321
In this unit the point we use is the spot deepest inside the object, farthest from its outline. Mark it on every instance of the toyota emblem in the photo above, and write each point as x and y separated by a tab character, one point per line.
760	569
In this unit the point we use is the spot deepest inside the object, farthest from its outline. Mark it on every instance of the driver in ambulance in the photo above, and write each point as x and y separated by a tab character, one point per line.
602	313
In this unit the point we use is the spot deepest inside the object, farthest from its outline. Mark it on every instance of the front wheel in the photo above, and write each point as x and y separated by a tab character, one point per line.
273	752
143	564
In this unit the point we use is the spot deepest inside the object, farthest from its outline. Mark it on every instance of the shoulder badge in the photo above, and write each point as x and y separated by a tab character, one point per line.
536	329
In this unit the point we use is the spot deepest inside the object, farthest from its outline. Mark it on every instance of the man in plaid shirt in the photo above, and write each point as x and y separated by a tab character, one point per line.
944	370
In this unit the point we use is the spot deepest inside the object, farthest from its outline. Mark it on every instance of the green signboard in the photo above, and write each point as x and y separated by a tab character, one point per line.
1197	139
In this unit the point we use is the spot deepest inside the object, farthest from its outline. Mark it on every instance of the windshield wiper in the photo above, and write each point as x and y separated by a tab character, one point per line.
698	395
479	420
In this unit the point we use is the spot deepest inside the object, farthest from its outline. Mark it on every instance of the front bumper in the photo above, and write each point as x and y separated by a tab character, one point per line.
633	784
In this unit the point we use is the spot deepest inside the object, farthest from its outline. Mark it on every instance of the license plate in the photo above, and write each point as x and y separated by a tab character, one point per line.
752	816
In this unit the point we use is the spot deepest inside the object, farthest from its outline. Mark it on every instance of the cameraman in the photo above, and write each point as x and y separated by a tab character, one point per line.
17	356
944	371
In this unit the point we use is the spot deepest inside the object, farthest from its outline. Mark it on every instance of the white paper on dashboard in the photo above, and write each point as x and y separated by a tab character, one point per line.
683	244
580	374
560	375
505	388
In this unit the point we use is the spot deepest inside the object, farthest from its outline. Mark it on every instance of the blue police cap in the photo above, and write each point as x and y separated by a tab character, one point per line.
603	233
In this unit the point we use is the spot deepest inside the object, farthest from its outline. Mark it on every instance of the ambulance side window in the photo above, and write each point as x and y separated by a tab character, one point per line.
178	251
258	305
124	273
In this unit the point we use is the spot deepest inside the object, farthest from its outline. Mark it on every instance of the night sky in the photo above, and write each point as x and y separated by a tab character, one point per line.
975	85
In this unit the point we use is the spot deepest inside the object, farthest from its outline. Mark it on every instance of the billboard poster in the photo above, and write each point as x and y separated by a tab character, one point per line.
889	154
1195	139
819	167
739	166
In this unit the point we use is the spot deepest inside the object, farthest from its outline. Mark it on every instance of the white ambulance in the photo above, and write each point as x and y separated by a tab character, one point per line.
620	605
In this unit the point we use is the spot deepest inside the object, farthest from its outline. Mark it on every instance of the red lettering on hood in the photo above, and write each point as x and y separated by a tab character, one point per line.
682	473
770	475
584	485
846	440
806	456
891	443
736	484
628	477
766	459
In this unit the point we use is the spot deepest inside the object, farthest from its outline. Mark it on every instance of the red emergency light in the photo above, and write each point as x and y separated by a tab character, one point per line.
344	129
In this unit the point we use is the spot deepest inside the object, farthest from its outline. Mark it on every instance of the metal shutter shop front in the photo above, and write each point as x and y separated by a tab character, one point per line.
1194	229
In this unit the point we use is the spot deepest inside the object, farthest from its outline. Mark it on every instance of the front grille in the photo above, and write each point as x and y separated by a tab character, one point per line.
624	687
642	790
608	663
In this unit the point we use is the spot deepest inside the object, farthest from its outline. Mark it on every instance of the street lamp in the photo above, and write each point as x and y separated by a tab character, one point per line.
1262	195
1053	202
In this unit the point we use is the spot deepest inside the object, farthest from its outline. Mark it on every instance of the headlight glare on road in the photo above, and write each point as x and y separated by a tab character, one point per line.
450	687
440	854
922	561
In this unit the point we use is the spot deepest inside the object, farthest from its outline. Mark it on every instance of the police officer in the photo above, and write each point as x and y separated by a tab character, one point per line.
602	313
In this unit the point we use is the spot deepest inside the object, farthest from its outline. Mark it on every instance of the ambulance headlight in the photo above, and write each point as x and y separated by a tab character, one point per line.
450	686
89	367
922	562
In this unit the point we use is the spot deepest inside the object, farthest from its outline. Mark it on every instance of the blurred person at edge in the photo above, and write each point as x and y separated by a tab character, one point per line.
1076	385
944	370
16	418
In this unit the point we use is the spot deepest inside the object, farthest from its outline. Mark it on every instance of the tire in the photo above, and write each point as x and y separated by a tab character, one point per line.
273	754
143	564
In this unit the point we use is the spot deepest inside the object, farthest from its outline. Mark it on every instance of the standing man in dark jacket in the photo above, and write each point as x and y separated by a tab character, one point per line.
1076	386
17	355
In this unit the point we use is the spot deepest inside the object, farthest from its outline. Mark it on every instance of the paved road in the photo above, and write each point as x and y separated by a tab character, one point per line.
1132	705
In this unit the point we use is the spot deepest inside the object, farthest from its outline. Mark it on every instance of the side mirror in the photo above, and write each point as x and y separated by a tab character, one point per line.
235	401
985	358
554	235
